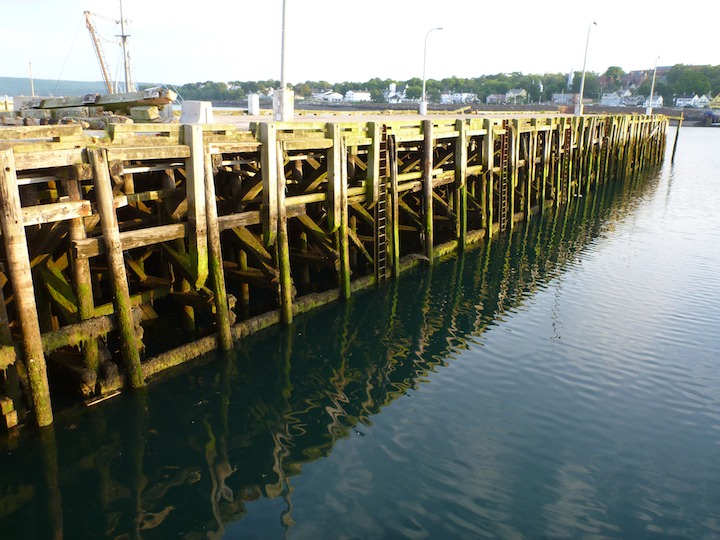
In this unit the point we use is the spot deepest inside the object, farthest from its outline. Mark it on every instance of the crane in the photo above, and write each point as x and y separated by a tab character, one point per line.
99	53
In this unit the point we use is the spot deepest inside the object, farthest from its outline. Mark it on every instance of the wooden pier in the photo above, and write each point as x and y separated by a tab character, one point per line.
133	250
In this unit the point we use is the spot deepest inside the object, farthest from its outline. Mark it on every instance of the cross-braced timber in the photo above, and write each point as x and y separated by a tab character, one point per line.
132	252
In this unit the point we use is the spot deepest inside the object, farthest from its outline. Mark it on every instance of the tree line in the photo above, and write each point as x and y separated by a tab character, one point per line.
678	80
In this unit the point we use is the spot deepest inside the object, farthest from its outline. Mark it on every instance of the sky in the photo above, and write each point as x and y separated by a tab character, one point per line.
335	41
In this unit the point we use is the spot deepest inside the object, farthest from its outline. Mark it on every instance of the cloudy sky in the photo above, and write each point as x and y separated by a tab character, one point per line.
222	40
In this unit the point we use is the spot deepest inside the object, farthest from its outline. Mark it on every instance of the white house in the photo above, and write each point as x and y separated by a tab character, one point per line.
704	101
395	93
493	99
457	97
327	95
564	99
687	101
515	95
357	95
633	101
610	100
657	101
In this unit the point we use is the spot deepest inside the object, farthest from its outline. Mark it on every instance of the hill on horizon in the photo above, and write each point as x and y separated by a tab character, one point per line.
20	86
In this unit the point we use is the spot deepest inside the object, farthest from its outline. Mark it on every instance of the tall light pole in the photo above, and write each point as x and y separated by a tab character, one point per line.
129	85
648	109
579	106
283	107
423	102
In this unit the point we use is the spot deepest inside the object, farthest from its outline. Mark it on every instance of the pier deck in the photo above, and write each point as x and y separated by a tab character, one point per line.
133	250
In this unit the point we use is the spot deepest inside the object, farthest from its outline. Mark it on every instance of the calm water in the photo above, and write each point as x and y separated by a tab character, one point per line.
561	383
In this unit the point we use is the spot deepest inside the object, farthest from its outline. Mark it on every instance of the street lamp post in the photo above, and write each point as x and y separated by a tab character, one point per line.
649	108
423	102
579	106
283	106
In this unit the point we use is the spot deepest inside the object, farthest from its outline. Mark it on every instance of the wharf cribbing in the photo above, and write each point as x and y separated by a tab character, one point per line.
136	249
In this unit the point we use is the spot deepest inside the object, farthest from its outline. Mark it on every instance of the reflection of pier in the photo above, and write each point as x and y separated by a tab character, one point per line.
192	455
106	238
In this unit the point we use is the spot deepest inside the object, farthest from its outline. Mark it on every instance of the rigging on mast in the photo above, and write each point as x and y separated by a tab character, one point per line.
99	53
104	66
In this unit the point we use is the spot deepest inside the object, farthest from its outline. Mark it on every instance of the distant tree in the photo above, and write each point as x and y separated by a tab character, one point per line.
613	78
688	80
433	95
553	83
414	92
592	84
303	90
377	96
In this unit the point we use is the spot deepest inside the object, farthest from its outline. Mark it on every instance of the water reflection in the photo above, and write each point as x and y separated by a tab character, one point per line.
189	456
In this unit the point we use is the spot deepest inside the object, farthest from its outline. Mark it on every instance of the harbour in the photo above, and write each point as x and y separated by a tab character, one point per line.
558	380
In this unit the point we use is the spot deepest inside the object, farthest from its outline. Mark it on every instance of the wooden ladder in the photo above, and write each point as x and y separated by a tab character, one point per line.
504	177
381	213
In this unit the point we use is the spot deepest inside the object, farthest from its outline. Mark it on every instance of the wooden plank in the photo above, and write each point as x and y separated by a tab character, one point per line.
49	213
128	153
243	219
48	133
25	161
92	247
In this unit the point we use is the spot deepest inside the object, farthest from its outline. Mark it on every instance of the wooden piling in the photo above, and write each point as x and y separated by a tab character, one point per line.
460	193
677	136
113	247
427	160
337	204
16	250
195	193
283	248
217	274
392	166
83	280
488	168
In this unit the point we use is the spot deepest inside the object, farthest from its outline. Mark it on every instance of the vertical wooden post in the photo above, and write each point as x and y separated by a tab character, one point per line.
488	166
677	135
16	251
83	280
283	247
244	286
116	263
547	147
269	167
428	148
530	166
5	334
372	187
305	268
460	194
352	221
337	203
392	159
195	192
217	274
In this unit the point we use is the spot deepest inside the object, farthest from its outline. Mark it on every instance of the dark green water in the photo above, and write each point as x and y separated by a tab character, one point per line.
563	382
